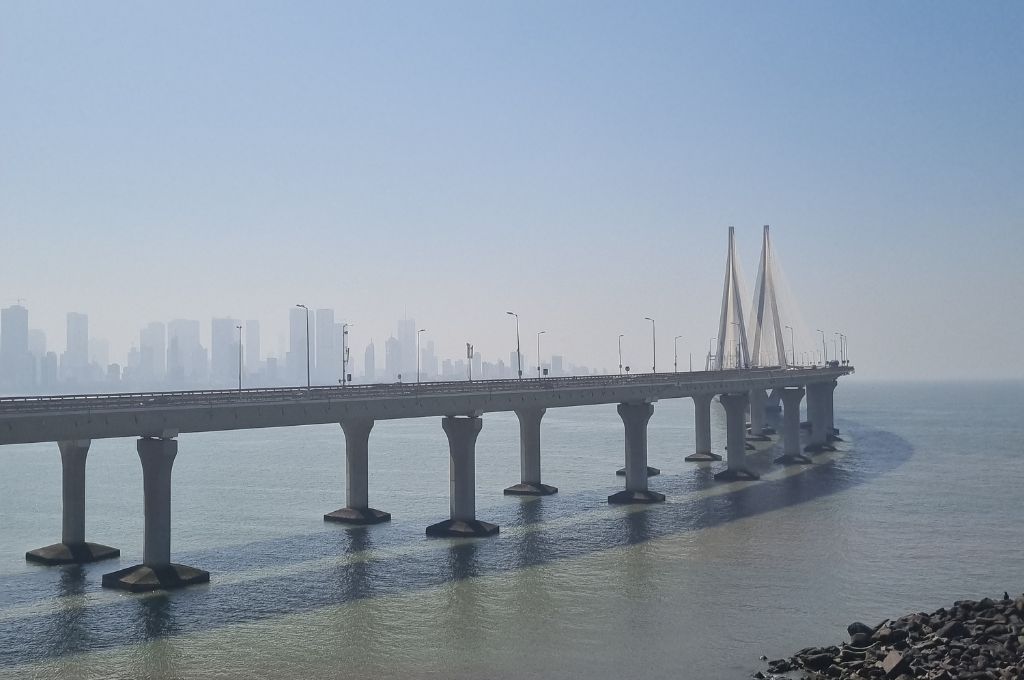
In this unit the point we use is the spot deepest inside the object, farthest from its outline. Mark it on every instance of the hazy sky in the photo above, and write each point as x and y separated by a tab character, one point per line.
576	162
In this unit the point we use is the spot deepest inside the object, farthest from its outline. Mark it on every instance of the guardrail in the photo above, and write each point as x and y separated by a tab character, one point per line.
21	404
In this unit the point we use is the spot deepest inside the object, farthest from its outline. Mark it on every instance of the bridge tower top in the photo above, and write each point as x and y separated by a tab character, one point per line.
732	329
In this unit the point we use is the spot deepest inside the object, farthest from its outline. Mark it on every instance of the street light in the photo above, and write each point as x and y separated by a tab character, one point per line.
519	353
620	353
239	358
675	354
308	381
835	349
539	333
824	349
418	354
792	345
344	352
654	347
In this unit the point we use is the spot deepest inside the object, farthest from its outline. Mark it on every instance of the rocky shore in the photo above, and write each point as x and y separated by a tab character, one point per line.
972	640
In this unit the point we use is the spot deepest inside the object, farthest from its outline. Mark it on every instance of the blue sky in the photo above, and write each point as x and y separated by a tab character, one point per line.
577	162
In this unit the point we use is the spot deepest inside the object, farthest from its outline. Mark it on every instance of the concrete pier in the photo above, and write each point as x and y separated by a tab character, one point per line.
791	397
529	455
73	548
634	419
462	433
758	400
702	429
736	446
357	508
818	410
156	571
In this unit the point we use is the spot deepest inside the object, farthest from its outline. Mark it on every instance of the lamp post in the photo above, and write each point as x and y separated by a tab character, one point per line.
418	354
344	352
824	349
519	353
675	354
239	359
539	333
654	347
835	344
792	345
620	353
308	381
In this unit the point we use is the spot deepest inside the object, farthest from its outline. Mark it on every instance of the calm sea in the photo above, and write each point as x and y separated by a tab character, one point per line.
920	506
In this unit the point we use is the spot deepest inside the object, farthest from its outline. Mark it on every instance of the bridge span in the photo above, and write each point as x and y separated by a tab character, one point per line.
157	419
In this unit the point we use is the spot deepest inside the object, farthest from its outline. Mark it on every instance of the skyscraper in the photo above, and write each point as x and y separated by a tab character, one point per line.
75	362
153	352
186	361
369	363
392	359
328	357
16	367
224	351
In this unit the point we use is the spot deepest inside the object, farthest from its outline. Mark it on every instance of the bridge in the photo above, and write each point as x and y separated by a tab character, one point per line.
741	382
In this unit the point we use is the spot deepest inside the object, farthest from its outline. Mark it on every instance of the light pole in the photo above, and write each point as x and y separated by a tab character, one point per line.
620	353
239	358
418	354
792	345
308	381
344	352
539	333
519	353
835	344
824	349
654	347
675	354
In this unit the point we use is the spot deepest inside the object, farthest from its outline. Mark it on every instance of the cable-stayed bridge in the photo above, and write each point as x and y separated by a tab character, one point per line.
743	380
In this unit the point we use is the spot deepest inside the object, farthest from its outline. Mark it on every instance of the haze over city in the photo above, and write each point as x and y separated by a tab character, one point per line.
578	164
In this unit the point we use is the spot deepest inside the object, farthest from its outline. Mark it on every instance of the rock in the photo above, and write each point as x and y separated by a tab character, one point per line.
953	629
818	662
895	664
858	627
860	639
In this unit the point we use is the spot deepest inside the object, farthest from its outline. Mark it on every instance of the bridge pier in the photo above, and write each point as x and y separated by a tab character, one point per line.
462	434
819	409
529	456
736	445
791	397
702	429
156	571
634	419
357	508
758	401
73	548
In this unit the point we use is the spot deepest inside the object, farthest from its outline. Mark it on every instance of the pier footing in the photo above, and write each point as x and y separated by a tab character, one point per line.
140	578
76	553
651	471
359	516
793	459
460	528
531	489
706	457
629	497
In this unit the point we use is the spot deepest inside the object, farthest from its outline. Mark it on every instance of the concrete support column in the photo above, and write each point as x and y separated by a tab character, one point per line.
357	508
462	434
831	433
818	411
73	548
702	428
529	455
156	571
791	397
758	400
736	446
634	419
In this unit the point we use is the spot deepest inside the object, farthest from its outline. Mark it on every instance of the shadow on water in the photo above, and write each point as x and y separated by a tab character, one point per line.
532	537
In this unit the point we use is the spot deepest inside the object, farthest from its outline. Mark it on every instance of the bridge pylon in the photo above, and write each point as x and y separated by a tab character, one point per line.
769	344
732	329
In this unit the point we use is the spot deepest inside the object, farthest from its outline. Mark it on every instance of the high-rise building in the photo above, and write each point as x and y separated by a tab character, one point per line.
392	359
300	346
407	345
153	352
328	353
37	343
185	356
252	347
369	363
17	369
224	351
75	362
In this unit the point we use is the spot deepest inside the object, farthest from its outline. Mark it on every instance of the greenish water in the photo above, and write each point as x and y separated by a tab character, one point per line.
919	506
